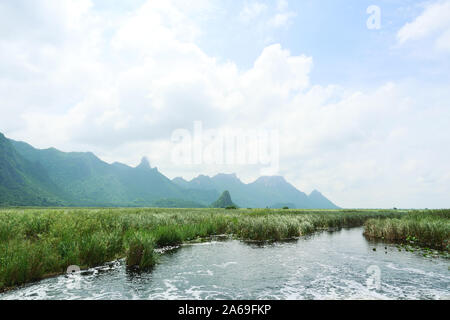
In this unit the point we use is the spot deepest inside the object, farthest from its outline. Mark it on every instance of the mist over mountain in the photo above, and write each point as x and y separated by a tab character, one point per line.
49	177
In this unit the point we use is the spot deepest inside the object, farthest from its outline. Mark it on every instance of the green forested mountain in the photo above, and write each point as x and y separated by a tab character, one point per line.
24	182
91	182
30	176
224	201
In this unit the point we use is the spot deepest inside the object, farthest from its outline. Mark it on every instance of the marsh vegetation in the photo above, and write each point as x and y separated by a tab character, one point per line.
36	243
428	229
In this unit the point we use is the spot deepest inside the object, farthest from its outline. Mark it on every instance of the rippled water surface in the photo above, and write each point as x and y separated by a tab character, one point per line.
329	265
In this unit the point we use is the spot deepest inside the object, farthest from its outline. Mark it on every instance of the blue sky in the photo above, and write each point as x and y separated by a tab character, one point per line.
345	51
334	32
362	114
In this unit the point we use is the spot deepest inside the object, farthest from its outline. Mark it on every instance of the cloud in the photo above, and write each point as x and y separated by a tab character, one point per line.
434	23
252	10
277	70
284	16
282	19
272	17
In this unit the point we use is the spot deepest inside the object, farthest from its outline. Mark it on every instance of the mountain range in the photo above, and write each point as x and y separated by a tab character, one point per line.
49	177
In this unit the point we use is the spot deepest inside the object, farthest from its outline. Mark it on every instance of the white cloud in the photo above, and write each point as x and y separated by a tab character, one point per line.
284	16
252	10
278	71
273	17
120	87
433	23
282	5
282	19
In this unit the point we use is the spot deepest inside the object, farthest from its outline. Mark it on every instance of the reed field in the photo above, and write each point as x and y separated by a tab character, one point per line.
423	228
37	243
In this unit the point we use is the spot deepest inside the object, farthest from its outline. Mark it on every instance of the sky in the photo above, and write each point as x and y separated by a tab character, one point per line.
357	92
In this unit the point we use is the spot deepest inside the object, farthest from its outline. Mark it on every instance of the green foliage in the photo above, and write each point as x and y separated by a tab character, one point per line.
426	228
170	235
176	203
141	251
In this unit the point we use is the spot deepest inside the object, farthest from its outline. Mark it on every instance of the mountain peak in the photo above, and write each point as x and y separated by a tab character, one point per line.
224	201
145	164
315	193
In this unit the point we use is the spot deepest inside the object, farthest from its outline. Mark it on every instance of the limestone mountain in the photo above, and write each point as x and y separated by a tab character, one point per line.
92	182
224	201
272	192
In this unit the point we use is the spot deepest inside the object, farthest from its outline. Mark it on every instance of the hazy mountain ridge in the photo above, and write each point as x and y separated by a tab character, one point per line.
93	182
30	176
264	192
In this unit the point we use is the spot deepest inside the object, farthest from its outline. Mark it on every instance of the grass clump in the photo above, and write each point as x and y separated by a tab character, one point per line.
423	228
141	251
166	236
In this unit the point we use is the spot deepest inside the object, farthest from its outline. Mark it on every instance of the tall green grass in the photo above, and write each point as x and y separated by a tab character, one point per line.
427	228
141	251
35	243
